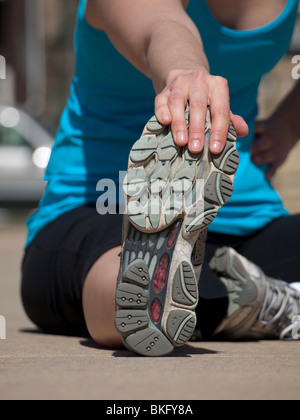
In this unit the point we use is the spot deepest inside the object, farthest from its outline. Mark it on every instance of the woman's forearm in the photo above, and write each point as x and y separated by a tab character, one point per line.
172	46
159	39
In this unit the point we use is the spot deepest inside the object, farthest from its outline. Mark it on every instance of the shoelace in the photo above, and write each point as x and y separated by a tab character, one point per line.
277	309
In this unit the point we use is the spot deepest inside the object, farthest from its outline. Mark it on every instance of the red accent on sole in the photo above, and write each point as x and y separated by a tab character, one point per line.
172	236
161	274
156	310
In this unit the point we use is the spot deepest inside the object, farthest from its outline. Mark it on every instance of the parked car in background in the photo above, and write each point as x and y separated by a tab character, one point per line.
25	148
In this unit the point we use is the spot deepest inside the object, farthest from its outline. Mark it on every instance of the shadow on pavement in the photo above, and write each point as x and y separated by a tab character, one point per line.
184	351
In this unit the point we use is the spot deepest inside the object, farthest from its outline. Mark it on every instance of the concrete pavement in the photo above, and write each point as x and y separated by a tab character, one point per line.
37	366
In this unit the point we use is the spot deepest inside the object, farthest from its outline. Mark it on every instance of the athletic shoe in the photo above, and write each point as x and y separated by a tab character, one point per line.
259	307
172	197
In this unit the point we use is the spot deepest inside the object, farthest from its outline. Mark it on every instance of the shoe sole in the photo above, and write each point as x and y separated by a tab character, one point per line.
172	197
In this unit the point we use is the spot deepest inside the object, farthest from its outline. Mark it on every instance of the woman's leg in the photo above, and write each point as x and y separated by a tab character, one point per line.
99	299
275	249
69	275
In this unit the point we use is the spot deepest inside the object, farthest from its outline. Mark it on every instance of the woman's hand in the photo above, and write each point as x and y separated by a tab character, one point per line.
277	135
200	89
275	140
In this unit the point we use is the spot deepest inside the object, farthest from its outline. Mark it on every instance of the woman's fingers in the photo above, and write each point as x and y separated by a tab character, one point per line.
220	114
162	111
200	90
240	125
170	109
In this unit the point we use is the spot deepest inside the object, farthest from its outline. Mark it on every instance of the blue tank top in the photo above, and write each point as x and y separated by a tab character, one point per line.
111	101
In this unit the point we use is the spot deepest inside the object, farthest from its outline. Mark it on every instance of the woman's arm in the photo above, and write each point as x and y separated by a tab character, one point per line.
277	135
160	40
289	111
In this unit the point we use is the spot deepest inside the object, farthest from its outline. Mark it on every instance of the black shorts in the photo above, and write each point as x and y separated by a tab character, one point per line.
57	262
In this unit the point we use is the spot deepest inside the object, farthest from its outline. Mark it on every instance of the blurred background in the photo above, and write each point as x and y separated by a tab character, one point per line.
36	41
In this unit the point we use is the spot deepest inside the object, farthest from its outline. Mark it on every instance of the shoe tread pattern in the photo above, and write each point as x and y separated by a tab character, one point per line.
136	293
161	182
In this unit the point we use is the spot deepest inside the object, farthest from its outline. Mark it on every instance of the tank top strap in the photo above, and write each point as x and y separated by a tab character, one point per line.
81	10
